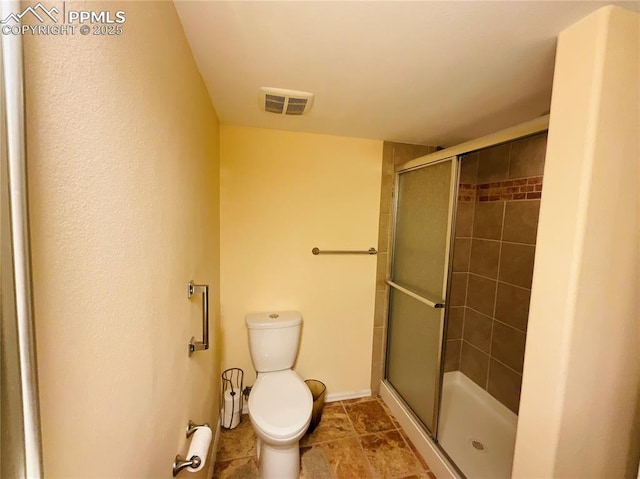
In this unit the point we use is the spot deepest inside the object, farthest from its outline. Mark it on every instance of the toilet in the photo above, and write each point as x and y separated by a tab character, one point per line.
280	402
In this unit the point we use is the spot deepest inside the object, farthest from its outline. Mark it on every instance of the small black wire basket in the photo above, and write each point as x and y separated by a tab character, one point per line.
232	397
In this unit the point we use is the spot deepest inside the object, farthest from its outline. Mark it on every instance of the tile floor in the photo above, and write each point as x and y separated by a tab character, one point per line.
356	439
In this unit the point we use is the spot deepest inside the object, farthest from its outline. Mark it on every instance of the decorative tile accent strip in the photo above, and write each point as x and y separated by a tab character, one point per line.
466	192
520	189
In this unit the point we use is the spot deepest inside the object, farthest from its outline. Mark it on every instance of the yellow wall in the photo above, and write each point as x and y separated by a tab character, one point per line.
123	175
281	194
578	412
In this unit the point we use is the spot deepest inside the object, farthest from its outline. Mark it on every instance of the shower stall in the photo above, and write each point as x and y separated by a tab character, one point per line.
459	281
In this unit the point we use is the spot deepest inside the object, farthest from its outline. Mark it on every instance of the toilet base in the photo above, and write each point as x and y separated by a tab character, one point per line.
279	462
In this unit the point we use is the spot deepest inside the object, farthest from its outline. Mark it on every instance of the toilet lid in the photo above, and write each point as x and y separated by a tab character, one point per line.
280	404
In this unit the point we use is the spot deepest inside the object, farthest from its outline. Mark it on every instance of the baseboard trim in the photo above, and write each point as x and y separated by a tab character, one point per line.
423	443
363	393
214	450
333	397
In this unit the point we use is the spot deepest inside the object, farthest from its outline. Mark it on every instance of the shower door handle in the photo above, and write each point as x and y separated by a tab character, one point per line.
438	304
204	344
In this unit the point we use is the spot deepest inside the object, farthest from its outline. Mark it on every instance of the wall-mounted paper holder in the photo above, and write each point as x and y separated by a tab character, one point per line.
180	463
204	344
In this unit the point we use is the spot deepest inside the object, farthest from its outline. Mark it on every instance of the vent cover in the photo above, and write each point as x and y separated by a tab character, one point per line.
285	102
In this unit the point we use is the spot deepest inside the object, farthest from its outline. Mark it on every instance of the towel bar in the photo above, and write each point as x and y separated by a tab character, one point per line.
316	251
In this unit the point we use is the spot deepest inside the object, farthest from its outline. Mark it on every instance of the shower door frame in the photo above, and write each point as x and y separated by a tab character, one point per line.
427	444
25	445
455	176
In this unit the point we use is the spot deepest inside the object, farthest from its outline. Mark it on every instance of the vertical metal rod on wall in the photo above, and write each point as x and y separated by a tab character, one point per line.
16	274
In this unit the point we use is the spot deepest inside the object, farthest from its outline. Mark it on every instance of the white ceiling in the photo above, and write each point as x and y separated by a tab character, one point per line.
434	73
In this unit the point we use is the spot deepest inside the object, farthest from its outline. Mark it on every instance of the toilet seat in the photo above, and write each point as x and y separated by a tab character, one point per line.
280	404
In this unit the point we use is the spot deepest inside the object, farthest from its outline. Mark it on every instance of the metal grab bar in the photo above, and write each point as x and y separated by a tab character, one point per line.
317	251
437	305
204	344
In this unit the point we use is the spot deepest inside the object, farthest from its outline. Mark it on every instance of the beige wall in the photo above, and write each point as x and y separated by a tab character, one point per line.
579	407
283	193
123	176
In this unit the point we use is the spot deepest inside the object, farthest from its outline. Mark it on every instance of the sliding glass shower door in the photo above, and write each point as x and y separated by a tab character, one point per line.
418	285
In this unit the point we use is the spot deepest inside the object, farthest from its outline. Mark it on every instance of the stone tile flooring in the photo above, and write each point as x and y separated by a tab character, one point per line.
356	439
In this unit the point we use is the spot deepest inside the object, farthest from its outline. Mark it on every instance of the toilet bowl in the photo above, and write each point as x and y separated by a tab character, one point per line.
280	411
280	402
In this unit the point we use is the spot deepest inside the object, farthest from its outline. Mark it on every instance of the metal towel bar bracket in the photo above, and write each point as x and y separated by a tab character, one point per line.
180	463
204	344
317	251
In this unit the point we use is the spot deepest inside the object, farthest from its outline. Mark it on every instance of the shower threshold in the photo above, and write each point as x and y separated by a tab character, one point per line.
437	460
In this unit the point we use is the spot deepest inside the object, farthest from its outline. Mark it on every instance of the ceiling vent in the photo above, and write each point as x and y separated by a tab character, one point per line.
285	102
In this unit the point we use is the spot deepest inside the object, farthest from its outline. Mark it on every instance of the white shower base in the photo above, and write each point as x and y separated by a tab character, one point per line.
469	413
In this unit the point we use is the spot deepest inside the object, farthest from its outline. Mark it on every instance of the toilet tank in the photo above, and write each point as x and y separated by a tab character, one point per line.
274	337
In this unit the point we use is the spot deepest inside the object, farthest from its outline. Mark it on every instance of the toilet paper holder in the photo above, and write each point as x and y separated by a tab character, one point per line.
180	462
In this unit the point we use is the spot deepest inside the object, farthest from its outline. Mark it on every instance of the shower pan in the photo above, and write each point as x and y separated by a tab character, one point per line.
453	359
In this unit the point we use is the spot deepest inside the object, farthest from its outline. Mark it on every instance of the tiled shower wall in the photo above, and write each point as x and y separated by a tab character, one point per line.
495	235
393	156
